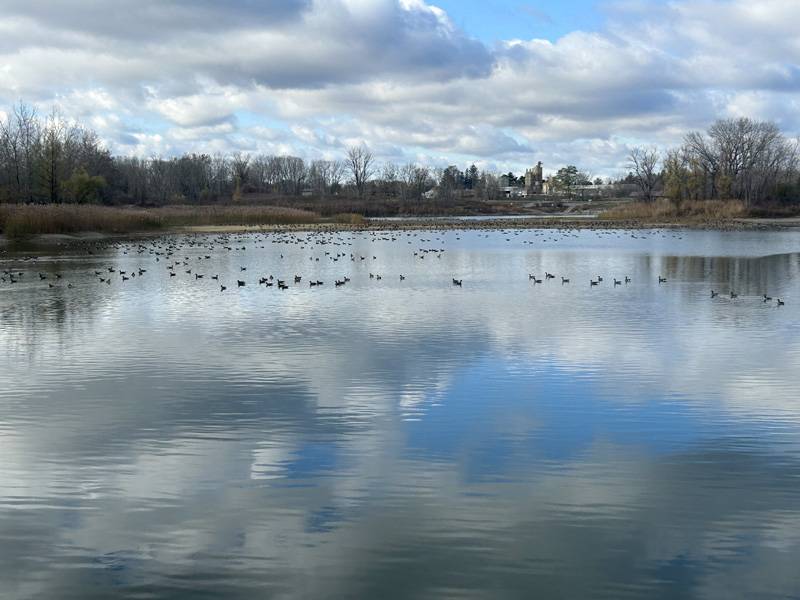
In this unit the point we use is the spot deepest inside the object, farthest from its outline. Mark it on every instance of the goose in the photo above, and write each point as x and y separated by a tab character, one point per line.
714	294
564	280
767	298
222	288
780	302
617	282
734	295
591	283
402	277
239	283
662	279
627	279
457	282
599	279
197	276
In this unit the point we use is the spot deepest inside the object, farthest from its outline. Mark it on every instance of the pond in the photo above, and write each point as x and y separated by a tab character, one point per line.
402	437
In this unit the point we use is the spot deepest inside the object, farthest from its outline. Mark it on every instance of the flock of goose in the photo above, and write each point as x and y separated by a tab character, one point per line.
173	253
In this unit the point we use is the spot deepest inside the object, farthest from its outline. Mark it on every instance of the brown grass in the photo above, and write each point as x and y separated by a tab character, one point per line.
19	221
664	211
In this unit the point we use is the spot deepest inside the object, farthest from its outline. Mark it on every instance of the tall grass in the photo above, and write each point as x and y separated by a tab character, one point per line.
688	211
19	221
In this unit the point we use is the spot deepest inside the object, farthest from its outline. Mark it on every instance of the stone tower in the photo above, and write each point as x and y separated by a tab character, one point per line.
534	179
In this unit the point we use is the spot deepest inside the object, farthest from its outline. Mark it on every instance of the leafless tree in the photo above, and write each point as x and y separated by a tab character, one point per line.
360	164
644	166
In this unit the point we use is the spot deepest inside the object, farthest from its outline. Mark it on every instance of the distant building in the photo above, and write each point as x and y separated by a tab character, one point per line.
513	191
534	180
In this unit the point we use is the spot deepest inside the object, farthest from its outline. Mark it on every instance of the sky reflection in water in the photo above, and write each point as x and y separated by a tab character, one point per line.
406	438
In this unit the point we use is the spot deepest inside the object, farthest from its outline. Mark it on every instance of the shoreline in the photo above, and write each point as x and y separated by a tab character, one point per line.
427	223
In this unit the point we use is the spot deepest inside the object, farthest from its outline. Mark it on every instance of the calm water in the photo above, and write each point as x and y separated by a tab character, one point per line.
403	439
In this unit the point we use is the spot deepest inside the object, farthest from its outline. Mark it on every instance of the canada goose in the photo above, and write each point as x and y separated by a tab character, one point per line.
549	275
239	283
734	295
535	281
215	277
172	274
564	280
297	278
457	282
617	282
599	279
125	278
591	283
402	277
243	268
780	302
767	298
627	279
197	276
222	288
662	279
714	294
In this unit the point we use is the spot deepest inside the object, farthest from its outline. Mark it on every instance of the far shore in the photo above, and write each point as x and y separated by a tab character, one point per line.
496	222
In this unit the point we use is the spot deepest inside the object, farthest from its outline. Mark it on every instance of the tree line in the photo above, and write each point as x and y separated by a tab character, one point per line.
735	159
53	160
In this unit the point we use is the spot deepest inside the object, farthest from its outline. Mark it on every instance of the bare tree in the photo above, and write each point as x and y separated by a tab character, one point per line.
360	163
644	163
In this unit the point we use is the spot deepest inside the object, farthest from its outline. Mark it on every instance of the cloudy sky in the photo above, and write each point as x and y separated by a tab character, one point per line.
502	83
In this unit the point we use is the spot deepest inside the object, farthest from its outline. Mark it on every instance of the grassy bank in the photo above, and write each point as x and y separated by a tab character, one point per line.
20	221
692	212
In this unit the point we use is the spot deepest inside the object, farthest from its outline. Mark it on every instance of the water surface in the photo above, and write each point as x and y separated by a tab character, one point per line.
403	438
